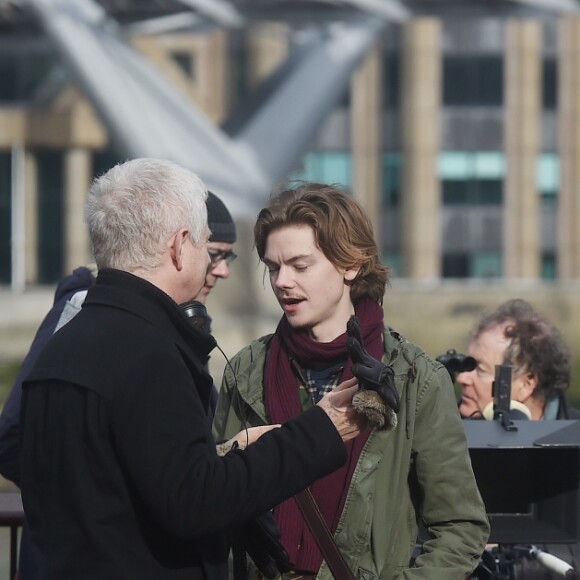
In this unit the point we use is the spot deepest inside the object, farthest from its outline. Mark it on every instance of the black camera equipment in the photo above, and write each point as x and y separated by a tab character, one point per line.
528	474
456	363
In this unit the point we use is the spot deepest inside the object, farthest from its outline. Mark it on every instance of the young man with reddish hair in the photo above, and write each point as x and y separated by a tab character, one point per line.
324	267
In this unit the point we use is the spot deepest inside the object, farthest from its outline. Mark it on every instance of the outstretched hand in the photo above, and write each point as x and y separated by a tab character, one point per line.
338	406
244	438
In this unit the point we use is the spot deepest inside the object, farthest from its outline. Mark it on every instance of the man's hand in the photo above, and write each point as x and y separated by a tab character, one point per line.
338	406
244	438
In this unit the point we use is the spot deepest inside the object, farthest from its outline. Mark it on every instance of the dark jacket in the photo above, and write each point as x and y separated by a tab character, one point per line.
570	553
120	476
80	279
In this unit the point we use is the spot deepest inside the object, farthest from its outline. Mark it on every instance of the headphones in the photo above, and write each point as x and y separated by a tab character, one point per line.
516	411
197	314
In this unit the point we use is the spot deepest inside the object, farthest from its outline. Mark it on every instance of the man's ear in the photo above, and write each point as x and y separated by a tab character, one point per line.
176	248
528	383
351	273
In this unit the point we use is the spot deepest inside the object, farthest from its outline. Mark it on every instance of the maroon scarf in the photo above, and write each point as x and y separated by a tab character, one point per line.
283	403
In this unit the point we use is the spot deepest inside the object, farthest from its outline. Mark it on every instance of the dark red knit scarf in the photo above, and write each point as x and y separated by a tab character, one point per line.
283	403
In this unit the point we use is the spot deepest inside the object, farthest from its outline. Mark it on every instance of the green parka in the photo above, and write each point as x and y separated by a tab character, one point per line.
420	471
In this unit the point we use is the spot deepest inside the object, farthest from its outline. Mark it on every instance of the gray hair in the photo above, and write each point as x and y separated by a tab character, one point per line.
134	208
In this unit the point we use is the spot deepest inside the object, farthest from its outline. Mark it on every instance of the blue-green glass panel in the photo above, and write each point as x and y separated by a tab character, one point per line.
548	173
486	265
331	167
549	267
489	165
394	261
455	165
391	178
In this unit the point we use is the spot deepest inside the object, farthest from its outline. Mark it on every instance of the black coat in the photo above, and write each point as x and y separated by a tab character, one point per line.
120	476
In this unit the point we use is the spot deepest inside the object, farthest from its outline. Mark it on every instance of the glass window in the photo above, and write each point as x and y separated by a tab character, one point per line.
472	80
456	265
394	261
455	192
467	164
455	165
548	178
489	164
550	84
472	265
344	101
548	172
50	216
239	67
391	80
5	217
103	161
486	265
472	192
548	266
329	167
22	73
392	175
548	199
471	178
186	62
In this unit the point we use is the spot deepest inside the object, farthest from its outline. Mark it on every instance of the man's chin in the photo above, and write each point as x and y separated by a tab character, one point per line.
468	409
203	294
296	323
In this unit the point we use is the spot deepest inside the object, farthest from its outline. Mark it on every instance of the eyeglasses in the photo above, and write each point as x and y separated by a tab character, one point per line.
217	257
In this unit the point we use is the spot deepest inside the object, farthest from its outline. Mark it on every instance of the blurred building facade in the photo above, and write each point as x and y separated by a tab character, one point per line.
461	136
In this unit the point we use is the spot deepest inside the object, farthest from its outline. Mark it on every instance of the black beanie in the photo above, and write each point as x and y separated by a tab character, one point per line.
219	220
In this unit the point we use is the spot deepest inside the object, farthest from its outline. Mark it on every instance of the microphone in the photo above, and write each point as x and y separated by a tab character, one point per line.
504	408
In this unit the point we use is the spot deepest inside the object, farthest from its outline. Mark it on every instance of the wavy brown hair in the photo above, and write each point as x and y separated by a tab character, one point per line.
535	345
342	231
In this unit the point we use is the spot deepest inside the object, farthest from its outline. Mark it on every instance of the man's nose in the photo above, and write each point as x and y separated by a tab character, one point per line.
221	269
464	378
284	278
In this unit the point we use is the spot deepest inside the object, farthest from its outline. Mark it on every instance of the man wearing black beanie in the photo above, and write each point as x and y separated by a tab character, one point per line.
220	245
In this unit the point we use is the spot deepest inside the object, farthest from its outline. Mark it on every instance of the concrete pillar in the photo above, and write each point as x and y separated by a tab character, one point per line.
569	144
366	93
31	217
12	126
267	49
522	106
211	74
77	178
421	109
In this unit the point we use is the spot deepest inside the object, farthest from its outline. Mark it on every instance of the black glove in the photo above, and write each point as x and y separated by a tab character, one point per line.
371	373
260	539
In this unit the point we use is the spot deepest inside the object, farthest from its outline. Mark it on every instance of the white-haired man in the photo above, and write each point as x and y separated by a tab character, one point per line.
120	475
